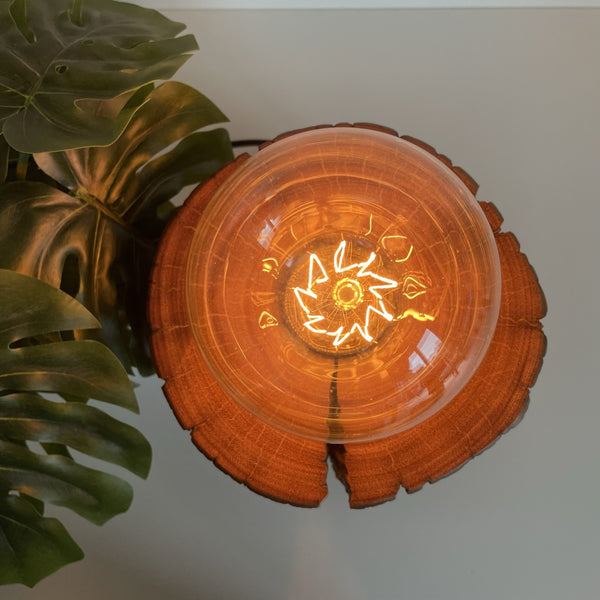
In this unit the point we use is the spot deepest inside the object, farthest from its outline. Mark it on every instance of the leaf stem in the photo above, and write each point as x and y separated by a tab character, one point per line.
101	208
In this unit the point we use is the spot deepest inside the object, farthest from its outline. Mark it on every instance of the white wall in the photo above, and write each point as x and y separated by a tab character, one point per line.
368	4
512	96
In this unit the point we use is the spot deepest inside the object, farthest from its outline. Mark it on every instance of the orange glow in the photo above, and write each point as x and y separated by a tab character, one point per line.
344	285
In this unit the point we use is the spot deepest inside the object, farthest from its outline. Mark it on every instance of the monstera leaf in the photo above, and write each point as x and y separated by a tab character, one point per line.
95	235
31	546
36	431
60	58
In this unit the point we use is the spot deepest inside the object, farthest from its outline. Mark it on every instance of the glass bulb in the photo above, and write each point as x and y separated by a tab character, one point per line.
344	284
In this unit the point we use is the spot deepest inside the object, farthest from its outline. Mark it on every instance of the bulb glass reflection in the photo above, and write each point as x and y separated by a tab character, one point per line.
344	285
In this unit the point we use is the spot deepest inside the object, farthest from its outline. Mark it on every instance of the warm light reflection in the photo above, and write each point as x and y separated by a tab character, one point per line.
266	319
270	265
412	287
419	316
398	246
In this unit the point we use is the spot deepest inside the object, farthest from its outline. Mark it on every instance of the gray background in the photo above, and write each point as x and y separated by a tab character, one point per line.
513	96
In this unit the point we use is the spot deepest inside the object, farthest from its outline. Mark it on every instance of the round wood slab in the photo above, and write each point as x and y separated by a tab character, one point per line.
292	468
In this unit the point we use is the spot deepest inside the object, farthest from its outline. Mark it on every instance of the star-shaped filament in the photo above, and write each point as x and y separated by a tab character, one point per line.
344	300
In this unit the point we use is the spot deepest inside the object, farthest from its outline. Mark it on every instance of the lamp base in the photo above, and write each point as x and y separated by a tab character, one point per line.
292	469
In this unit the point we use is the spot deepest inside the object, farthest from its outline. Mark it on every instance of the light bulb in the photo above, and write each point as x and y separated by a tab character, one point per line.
343	286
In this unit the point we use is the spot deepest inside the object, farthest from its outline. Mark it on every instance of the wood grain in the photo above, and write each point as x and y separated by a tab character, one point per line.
292	469
487	406
275	464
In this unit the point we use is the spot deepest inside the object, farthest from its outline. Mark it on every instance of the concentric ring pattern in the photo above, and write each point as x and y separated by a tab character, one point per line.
343	285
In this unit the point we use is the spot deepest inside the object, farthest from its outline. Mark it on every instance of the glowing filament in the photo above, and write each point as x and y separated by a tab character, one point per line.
351	299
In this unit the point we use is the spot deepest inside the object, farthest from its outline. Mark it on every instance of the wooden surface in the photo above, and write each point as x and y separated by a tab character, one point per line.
291	469
272	463
489	404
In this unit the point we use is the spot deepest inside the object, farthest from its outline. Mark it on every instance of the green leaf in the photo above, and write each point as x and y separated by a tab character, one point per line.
94	495
31	546
58	58
34	317
84	428
84	368
110	174
98	239
194	159
29	308
67	241
37	504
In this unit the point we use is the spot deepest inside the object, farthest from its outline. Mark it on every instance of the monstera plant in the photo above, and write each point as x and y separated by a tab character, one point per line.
36	358
94	146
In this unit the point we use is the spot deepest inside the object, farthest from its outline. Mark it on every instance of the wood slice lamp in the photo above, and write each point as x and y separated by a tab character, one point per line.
341	294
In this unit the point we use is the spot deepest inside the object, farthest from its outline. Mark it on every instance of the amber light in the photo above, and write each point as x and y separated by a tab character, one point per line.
344	285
